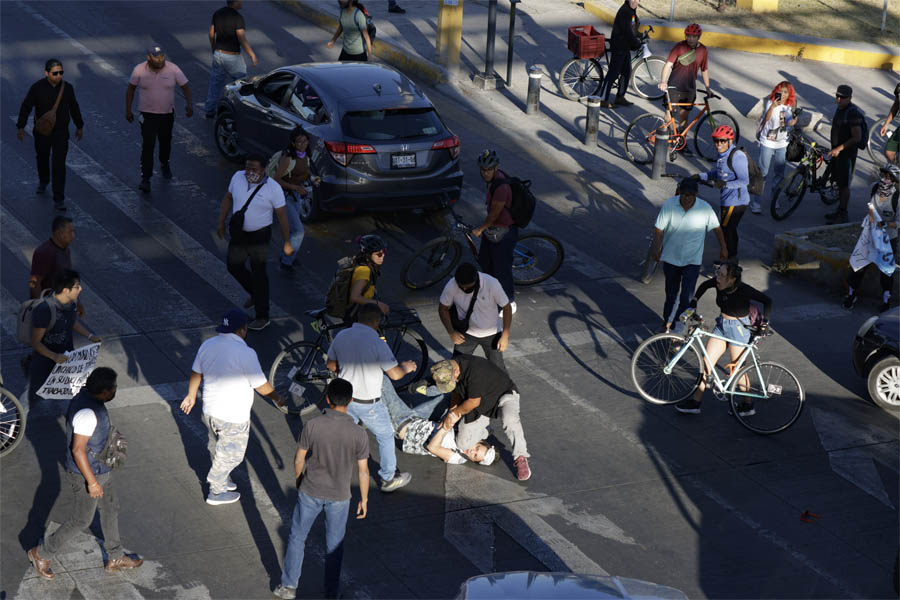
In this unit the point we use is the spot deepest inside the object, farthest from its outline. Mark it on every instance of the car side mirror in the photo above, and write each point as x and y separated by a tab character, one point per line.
247	89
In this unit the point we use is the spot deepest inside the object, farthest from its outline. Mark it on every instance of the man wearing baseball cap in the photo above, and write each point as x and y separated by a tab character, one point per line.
230	372
156	79
481	391
846	134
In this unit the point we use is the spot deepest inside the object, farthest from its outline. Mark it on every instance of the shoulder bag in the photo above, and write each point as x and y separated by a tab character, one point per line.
47	121
462	325
236	225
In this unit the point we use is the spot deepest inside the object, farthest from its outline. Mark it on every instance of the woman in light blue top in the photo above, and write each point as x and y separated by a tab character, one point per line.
352	24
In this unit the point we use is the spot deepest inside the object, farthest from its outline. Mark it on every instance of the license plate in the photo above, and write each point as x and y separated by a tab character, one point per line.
296	390
774	389
403	161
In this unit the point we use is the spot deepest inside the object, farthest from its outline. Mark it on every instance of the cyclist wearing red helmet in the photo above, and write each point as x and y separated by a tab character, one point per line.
679	75
732	179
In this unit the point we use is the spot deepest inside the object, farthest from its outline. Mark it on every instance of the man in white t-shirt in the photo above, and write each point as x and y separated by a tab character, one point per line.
772	135
230	372
265	196
481	329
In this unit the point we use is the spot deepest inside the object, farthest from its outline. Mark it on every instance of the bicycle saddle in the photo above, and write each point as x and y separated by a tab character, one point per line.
316	313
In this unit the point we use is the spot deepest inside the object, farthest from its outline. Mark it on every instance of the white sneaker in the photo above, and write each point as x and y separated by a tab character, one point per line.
223	498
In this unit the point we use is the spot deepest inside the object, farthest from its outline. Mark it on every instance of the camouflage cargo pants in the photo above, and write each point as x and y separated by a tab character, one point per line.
231	444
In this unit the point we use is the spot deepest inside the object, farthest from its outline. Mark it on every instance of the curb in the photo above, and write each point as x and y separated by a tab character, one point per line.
385	49
854	54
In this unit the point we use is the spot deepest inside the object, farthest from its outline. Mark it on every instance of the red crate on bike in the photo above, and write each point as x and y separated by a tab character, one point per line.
586	42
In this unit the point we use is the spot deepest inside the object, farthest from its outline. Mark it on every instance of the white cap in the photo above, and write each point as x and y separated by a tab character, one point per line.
489	457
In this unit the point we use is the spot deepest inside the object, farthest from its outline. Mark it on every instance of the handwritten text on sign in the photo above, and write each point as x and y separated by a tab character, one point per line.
68	378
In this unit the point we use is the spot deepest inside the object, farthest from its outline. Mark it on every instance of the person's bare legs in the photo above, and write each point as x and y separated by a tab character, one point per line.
715	348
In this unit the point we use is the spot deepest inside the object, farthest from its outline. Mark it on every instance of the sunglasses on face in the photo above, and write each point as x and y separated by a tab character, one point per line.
380	253
720	141
57	73
840	97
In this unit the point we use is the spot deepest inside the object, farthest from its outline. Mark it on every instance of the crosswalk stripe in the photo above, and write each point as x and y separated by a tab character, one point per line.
103	319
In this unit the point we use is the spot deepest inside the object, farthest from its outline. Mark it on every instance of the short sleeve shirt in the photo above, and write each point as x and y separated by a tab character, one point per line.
483	321
156	89
231	371
363	273
84	422
684	233
334	443
362	358
49	259
685	65
353	24
59	337
502	193
227	21
774	131
419	433
842	124
259	213
480	378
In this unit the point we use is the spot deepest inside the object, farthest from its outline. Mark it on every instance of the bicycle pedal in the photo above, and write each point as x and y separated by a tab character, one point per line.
673	156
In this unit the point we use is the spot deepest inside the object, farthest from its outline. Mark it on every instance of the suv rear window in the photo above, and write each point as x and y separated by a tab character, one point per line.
392	124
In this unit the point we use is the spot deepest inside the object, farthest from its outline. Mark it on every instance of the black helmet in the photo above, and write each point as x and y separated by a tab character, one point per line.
487	159
891	170
371	243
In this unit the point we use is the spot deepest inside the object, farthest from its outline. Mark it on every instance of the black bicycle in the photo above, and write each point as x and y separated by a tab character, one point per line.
12	420
300	372
790	192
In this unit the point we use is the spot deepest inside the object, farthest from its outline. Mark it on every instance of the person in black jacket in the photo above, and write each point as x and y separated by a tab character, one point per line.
41	97
624	41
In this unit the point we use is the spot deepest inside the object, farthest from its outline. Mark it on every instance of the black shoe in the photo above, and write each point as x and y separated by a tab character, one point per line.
166	171
606	104
838	216
623	102
145	186
41	188
688	407
59	207
849	301
745	409
258	324
285	267
396	9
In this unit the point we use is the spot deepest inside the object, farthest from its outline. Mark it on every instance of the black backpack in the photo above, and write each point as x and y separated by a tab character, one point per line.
864	140
337	301
757	182
521	209
370	24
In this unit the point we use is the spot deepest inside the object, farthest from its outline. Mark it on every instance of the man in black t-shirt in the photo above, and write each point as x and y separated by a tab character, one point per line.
482	391
226	38
623	41
41	98
52	324
846	133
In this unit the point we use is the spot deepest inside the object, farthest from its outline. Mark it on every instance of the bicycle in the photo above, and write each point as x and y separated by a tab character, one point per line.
12	420
300	372
805	177
878	142
666	368
582	75
640	135
436	259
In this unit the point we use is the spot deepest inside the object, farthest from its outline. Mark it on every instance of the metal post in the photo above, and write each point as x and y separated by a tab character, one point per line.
660	153
533	102
592	124
512	33
884	17
487	80
672	11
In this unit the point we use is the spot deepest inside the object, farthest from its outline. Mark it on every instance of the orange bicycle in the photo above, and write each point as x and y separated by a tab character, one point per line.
640	135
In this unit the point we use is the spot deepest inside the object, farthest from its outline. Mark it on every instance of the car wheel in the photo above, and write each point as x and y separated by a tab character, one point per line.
308	207
884	383
227	137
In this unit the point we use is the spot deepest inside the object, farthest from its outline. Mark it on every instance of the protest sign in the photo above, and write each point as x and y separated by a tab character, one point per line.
68	378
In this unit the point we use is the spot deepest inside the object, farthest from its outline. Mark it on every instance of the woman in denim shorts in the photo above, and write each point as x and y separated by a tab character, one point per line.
734	298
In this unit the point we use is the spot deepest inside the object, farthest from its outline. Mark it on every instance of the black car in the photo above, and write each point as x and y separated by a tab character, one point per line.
876	357
376	140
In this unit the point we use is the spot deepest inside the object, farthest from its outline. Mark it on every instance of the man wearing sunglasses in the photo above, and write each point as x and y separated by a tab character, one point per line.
846	133
43	97
732	176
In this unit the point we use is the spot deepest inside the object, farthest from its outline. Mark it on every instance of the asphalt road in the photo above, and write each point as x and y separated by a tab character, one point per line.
619	486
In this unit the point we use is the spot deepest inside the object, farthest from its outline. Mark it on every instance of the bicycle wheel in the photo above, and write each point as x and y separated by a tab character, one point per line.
648	266
788	195
12	422
580	77
431	264
877	142
782	403
300	374
703	141
535	258
407	344
645	77
648	363
828	187
640	137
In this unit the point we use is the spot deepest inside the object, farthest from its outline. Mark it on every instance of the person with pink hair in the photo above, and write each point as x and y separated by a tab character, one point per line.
772	135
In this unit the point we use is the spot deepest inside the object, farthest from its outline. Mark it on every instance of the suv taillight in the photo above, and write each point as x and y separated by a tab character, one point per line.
450	143
342	152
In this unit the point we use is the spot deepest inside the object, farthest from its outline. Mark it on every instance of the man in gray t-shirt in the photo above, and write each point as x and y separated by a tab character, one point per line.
329	445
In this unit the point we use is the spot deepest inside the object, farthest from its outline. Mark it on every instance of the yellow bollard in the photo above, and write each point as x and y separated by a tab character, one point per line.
449	33
758	5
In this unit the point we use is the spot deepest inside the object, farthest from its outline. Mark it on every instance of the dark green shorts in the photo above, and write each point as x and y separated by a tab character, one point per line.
893	144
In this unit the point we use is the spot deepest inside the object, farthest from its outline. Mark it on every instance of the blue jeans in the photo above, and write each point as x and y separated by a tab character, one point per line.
496	259
400	411
225	69
683	277
377	419
292	208
769	158
305	514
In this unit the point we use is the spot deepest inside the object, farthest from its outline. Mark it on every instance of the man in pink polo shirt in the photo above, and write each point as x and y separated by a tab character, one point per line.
156	79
